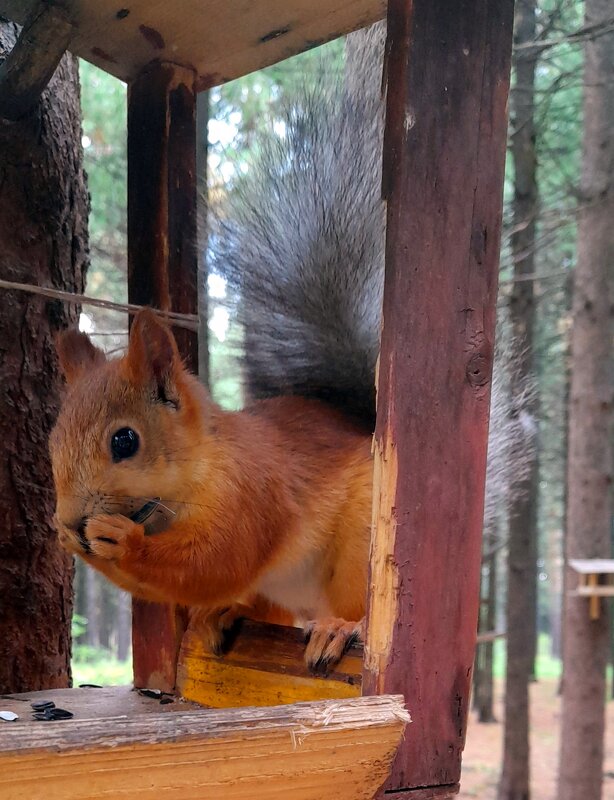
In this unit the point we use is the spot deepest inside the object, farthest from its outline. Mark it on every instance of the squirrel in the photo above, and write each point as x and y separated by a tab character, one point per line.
273	501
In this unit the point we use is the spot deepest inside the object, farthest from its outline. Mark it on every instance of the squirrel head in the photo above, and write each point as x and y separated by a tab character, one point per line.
129	429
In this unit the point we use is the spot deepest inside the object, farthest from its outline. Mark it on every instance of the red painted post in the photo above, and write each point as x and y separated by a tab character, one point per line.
444	153
162	272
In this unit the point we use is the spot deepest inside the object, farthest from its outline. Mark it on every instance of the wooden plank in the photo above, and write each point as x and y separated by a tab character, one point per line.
217	39
162	272
430	793
586	566
305	751
29	66
445	143
593	591
265	666
109	701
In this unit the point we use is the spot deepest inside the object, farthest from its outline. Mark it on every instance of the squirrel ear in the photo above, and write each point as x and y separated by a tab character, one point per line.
152	352
77	354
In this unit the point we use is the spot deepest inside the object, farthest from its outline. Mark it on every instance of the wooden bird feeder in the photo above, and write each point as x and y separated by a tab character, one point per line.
448	70
596	580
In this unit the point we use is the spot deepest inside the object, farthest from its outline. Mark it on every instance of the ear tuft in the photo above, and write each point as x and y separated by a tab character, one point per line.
152	353
77	354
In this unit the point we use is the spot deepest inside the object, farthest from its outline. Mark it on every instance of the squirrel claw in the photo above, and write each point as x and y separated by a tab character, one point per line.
327	640
108	535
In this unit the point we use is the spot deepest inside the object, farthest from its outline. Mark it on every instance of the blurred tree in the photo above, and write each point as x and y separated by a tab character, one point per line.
591	410
522	542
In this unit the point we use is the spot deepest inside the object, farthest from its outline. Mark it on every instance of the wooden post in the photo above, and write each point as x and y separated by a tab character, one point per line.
162	272
448	81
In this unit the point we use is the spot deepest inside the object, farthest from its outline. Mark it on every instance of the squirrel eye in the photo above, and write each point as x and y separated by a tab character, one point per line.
124	443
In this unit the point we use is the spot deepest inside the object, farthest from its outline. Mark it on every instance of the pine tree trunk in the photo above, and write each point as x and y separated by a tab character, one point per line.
590	459
92	607
522	552
484	689
43	240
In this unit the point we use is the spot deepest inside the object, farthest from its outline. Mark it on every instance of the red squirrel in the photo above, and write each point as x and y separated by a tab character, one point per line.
272	501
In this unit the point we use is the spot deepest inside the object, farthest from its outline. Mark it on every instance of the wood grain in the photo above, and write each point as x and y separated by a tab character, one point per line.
448	80
217	39
305	751
265	666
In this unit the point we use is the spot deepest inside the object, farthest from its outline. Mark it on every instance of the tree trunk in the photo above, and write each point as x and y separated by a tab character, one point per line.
484	687
202	151
124	634
43	240
92	608
555	592
590	459
522	552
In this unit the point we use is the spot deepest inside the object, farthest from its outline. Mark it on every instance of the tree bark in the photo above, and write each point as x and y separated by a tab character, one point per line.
522	551
124	634
590	460
484	686
43	240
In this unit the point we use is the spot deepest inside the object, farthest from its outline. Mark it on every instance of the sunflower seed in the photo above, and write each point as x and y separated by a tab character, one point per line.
42	705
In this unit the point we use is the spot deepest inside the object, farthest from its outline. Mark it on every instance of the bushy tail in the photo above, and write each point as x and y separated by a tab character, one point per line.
301	239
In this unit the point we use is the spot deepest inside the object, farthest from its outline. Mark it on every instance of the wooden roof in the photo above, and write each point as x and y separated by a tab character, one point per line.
219	39
592	566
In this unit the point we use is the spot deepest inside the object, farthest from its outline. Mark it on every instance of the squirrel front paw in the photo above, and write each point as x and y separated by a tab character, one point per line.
328	639
69	540
112	536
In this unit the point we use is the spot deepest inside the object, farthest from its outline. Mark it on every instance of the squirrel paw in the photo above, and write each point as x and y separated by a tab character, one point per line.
110	535
69	540
214	628
328	639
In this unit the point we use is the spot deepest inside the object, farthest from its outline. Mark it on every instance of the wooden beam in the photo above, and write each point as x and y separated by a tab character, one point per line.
162	272
264	667
448	81
340	748
219	40
30	65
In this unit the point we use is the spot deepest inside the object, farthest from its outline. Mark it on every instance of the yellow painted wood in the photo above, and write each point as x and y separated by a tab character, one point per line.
218	39
264	667
306	752
223	685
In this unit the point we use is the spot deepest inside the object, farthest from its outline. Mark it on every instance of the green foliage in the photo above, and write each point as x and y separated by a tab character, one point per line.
78	626
99	666
251	104
103	100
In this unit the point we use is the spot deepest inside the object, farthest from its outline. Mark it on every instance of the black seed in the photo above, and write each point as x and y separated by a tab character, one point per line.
89	686
166	700
42	705
143	513
156	693
122	13
61	713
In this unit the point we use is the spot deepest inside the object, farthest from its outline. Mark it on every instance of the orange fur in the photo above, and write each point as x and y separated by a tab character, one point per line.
273	501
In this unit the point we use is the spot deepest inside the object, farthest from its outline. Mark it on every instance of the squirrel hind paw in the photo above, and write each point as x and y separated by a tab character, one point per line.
327	641
217	629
